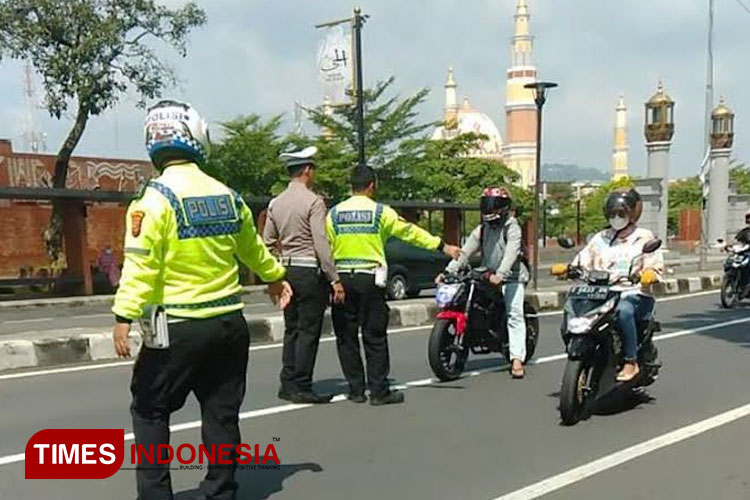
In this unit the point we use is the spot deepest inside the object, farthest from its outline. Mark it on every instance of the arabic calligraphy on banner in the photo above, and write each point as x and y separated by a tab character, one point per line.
335	63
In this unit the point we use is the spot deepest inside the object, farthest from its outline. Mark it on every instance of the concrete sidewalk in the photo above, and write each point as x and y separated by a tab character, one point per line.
94	344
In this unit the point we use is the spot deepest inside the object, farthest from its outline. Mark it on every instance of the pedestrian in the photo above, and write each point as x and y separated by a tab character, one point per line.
296	229
358	229
182	235
107	264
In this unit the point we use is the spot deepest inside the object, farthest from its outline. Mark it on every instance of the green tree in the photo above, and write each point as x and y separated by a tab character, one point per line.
394	139
739	175
247	157
89	52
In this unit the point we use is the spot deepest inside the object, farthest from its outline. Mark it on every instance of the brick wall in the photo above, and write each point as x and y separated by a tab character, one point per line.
22	222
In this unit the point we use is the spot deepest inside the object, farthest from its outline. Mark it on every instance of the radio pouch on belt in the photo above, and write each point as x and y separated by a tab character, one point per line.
154	327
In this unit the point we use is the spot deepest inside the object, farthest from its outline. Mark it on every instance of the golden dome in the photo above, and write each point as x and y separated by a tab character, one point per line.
660	97
470	120
721	110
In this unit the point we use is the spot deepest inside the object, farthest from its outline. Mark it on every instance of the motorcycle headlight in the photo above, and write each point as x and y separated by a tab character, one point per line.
582	324
446	293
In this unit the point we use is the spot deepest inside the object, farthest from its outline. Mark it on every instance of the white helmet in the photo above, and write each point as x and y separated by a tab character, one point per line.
175	131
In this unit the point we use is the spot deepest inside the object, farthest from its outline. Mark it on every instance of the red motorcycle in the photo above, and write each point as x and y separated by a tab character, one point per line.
472	319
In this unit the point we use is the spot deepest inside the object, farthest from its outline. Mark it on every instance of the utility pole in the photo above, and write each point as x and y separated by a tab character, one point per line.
703	260
356	22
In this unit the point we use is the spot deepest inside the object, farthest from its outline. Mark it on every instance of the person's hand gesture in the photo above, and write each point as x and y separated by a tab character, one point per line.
452	251
120	338
281	293
338	293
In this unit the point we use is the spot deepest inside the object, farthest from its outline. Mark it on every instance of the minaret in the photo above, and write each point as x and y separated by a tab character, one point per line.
520	111
620	150
451	101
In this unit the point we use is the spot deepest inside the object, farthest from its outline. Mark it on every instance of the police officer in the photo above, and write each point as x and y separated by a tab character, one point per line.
296	229
182	236
358	228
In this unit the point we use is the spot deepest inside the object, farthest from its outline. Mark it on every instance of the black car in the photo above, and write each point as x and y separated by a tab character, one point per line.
411	269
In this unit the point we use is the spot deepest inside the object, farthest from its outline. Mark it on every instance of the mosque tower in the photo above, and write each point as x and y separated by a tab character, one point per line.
450	117
620	150
519	152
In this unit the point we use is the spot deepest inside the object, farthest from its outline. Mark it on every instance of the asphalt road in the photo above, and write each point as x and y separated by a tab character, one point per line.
479	438
36	322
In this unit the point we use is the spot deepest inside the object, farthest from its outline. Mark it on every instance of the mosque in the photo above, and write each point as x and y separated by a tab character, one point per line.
518	152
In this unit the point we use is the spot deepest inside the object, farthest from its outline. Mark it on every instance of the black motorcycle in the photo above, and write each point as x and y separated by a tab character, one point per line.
734	283
472	319
594	343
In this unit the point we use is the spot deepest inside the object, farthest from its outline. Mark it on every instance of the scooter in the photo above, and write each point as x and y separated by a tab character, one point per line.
592	338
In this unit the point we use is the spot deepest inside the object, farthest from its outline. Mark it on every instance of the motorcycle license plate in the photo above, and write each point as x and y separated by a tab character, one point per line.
589	292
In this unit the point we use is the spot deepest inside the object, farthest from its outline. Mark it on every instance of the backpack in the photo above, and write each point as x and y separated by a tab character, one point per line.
523	253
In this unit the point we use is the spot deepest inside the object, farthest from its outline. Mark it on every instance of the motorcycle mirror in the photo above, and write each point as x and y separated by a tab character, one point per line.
565	242
652	246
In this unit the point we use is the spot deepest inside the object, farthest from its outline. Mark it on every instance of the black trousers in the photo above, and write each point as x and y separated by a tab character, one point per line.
208	357
365	307
303	321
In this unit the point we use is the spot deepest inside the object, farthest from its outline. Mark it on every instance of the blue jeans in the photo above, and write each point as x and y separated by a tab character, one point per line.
631	310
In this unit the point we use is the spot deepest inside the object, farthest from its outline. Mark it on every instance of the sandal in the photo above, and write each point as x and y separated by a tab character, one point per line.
627	377
517	370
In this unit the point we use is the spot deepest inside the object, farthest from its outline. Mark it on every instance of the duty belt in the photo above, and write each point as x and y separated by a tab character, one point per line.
354	270
300	262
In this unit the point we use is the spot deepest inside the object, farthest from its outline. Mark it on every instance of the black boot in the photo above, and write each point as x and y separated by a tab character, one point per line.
309	397
390	398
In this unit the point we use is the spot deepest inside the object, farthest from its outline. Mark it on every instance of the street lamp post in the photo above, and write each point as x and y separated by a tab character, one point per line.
540	97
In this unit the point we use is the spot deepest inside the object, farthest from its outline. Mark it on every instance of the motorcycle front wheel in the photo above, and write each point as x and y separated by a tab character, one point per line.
445	352
573	392
730	294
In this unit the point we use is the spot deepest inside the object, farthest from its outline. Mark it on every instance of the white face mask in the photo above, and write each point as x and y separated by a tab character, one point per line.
618	223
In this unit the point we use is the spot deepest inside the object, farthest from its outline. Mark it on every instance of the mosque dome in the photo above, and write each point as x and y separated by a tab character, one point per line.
469	120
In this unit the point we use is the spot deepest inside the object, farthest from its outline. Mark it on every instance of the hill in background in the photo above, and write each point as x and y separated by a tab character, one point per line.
559	172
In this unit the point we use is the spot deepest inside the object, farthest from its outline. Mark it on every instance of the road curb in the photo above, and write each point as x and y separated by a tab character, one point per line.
95	300
15	354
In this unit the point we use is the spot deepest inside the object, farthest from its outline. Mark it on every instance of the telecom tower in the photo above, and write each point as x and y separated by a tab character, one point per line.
34	139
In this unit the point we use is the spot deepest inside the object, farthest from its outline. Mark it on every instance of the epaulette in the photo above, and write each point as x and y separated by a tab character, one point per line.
142	186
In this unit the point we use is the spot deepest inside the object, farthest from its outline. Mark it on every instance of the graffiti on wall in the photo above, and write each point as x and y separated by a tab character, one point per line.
82	174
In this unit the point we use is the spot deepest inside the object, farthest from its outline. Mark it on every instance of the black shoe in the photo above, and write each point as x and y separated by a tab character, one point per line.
285	395
309	397
356	398
391	398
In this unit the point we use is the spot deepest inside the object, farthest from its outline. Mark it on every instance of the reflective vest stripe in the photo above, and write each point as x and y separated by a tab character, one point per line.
226	301
185	230
373	228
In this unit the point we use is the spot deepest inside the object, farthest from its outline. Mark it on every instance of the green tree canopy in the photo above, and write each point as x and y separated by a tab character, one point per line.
394	139
89	52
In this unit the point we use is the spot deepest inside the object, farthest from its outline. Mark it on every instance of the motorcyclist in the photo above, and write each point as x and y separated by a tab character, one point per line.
613	250
498	238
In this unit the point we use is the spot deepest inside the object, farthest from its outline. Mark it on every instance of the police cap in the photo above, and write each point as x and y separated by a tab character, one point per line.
299	158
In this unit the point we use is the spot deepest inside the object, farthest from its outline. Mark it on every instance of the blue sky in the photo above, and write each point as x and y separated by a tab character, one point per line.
259	56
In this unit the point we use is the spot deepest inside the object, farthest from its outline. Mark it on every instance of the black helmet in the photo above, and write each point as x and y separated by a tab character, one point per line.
623	204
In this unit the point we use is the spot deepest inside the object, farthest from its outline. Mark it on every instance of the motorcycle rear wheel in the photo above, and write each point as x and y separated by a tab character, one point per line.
730	295
446	363
532	329
573	396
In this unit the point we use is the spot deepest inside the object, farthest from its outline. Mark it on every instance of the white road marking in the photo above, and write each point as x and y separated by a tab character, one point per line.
19	321
275	410
577	474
